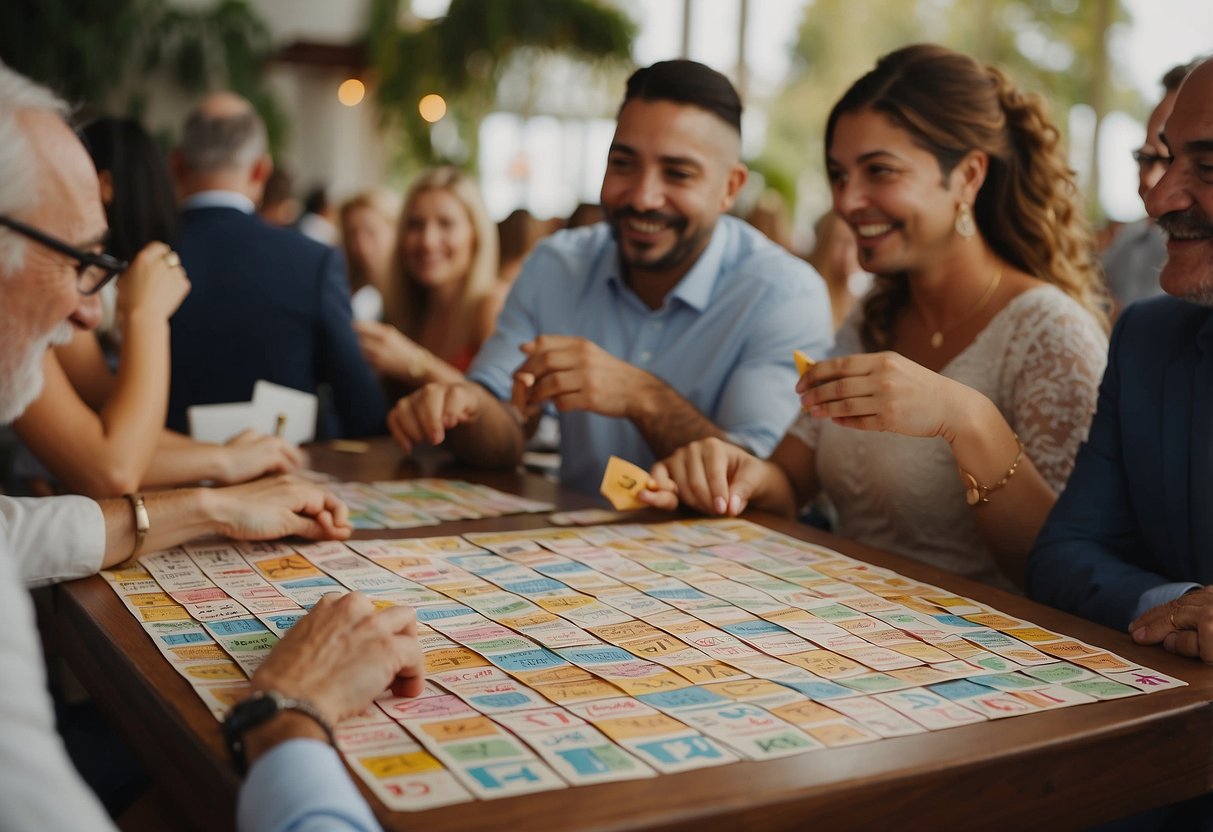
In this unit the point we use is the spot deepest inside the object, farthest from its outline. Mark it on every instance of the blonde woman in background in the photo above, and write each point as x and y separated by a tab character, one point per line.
948	417
443	271
368	236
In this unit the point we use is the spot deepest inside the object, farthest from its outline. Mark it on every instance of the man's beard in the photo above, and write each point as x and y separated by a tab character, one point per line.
21	372
1190	224
684	245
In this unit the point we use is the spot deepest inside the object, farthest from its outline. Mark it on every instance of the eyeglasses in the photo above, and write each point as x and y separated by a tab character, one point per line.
92	270
1146	159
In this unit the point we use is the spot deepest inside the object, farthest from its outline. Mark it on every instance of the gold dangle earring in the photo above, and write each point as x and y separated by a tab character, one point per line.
966	226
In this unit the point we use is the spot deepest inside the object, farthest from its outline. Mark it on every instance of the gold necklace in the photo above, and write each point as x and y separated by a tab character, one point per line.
937	336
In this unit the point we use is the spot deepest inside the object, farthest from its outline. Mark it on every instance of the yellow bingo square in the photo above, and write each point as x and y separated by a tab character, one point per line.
622	483
803	362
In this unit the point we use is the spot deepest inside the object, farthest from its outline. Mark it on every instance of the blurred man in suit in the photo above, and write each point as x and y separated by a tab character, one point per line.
266	303
1130	541
1132	262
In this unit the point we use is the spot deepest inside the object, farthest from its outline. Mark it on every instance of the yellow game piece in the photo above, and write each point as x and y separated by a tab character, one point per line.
803	362
622	482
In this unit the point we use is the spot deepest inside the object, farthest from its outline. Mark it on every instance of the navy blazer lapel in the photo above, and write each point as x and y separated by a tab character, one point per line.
1178	431
1200	434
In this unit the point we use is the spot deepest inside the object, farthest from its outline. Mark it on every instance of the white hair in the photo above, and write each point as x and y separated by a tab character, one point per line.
18	185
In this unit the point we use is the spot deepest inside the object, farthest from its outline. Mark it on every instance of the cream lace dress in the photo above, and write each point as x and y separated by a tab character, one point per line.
1039	360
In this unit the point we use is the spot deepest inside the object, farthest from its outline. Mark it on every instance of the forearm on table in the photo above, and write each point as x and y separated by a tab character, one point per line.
173	516
495	439
664	418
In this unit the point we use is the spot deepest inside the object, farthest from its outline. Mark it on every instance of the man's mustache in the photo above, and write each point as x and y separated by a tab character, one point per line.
1189	224
648	216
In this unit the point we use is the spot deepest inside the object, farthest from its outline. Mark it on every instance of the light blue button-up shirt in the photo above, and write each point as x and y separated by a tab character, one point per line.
723	338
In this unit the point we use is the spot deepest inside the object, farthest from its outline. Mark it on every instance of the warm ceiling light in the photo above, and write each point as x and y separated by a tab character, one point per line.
432	107
351	92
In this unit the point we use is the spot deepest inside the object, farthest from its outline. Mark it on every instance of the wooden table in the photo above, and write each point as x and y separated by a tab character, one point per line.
1060	769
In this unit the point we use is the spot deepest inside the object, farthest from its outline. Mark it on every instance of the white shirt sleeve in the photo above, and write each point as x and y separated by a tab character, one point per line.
39	787
52	539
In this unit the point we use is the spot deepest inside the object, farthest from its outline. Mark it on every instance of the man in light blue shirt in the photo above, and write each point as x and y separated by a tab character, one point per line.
328	667
668	323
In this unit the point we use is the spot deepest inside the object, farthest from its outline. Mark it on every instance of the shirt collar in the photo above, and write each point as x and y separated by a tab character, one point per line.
696	287
219	199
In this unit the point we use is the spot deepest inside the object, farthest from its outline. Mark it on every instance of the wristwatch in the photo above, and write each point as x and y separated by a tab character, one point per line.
258	709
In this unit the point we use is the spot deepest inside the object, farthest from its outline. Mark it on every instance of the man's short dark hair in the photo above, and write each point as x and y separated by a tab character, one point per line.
687	82
1176	75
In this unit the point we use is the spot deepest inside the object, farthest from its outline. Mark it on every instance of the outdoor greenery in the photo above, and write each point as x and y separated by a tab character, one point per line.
102	53
465	54
561	57
1057	48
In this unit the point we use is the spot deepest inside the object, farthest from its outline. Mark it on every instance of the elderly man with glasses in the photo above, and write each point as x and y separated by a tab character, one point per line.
1132	262
331	664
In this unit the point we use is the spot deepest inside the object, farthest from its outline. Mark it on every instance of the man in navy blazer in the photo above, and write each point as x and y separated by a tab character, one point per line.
1130	541
267	303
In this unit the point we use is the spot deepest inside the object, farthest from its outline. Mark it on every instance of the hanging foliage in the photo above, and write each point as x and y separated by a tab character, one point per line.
463	54
88	50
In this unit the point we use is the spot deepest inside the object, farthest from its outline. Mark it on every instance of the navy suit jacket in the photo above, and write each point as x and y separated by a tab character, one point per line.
1138	509
266	303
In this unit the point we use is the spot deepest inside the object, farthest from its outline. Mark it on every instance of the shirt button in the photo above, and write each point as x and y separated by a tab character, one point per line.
645	356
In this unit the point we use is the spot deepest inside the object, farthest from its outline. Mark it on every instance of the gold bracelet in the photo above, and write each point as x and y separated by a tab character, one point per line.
977	494
142	526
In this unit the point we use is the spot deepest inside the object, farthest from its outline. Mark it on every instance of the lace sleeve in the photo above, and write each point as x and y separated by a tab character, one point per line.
1062	353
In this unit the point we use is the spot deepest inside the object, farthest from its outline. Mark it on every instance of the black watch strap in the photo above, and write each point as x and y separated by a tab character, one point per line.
258	709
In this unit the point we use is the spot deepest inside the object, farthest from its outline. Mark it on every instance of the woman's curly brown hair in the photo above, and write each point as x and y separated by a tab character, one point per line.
1027	209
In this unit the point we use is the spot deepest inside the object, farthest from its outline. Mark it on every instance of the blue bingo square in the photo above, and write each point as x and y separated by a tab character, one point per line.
237	627
528	660
757	627
819	690
308	583
954	621
959	689
533	586
284	622
601	759
184	638
437	613
499	700
684	698
502	775
680	749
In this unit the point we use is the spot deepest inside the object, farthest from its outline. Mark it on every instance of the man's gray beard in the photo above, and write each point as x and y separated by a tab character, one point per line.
1202	296
21	384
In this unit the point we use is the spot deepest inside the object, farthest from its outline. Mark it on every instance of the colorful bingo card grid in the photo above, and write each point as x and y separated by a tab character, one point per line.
569	657
407	504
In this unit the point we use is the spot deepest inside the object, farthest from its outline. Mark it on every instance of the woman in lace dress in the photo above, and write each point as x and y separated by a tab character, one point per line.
948	415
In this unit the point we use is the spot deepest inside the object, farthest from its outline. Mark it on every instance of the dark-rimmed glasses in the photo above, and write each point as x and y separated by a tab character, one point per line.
1146	159
93	270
